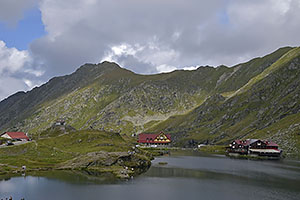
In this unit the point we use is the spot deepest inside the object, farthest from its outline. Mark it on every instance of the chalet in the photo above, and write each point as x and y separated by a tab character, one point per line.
15	136
154	140
238	146
254	147
264	148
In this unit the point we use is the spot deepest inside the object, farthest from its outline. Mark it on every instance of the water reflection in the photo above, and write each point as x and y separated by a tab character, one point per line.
184	177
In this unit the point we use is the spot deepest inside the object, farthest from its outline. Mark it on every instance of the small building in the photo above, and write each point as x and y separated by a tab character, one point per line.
264	148
155	140
60	122
15	136
254	147
238	146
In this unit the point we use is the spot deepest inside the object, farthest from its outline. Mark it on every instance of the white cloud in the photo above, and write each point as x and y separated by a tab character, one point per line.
150	53
118	51
191	68
16	72
11	59
31	84
10	85
165	68
282	6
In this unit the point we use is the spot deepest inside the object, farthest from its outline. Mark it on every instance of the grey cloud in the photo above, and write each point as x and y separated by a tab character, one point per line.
254	29
11	11
99	26
83	31
133	64
162	34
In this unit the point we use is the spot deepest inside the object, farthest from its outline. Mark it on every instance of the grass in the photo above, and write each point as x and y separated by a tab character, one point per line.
242	73
283	133
88	105
54	150
70	105
170	122
214	149
275	66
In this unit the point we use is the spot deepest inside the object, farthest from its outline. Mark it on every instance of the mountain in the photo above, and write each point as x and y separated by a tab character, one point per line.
259	98
267	106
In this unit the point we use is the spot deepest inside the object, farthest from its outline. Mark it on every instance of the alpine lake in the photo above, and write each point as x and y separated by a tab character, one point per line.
178	175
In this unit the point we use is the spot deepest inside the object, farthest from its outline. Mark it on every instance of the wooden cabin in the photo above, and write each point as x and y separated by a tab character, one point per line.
237	146
258	144
154	140
264	148
254	147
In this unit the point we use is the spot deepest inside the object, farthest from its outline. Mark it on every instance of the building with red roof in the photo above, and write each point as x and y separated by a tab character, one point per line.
159	139
15	136
254	147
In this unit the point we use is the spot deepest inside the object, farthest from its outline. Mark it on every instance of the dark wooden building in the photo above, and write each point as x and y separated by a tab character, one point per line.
254	147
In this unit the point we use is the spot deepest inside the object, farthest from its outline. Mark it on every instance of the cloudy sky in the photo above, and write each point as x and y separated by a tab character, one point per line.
40	39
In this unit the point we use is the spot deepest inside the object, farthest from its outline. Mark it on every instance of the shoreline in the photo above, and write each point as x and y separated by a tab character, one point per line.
132	170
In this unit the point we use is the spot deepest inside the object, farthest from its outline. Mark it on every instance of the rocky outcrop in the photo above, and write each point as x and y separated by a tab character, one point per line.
122	164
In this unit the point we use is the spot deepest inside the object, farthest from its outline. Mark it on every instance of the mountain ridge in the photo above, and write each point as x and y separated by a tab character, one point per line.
202	105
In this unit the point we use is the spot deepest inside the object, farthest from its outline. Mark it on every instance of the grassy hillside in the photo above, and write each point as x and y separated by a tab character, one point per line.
211	105
50	151
242	73
92	150
265	107
119	100
110	98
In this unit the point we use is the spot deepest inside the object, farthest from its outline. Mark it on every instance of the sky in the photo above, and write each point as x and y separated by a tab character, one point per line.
40	39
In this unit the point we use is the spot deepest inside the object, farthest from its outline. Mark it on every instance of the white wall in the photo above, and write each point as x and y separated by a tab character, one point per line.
6	136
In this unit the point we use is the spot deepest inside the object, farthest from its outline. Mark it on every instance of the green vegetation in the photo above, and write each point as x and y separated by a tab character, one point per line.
259	98
242	73
294	53
60	151
268	108
213	149
4	169
50	151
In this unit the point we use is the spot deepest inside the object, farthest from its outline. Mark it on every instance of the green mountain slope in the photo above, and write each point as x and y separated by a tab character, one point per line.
209	104
267	106
113	99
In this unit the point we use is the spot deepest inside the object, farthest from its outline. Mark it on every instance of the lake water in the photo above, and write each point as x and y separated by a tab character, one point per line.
186	176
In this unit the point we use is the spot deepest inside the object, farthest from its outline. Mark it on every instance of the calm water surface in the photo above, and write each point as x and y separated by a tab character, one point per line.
186	176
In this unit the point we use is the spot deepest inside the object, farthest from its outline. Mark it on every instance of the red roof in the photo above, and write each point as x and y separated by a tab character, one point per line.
149	138
238	141
250	141
17	135
272	144
242	142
